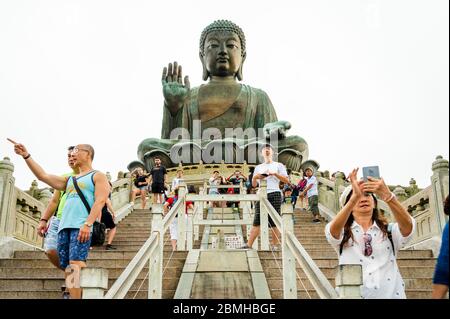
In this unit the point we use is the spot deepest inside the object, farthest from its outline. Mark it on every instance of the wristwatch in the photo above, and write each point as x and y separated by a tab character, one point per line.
87	224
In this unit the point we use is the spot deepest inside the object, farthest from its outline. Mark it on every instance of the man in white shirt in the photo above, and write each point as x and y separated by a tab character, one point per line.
274	173
312	194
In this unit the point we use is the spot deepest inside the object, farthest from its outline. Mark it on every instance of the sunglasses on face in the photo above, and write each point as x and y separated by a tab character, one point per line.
367	245
76	150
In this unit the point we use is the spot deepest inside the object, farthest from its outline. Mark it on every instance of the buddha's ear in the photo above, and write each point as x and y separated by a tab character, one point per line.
205	75
239	74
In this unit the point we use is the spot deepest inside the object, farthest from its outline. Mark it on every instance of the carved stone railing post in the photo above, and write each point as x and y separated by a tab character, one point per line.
156	260
340	181
93	282
349	281
7	205
45	196
264	217
439	183
181	242
400	193
289	262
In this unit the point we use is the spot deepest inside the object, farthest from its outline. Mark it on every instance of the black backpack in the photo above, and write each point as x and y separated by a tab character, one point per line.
98	228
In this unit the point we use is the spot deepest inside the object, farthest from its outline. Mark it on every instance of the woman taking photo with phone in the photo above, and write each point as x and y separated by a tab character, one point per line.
361	235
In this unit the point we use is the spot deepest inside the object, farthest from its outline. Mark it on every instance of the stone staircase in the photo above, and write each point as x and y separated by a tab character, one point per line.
30	275
416	266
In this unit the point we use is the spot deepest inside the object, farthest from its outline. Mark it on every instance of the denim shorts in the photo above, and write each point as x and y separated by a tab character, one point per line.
51	237
69	248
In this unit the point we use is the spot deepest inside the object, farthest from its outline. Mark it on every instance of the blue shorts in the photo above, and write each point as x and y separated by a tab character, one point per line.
51	237
70	249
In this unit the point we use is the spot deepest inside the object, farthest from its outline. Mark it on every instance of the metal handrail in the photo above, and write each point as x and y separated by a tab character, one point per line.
320	283
272	212
123	284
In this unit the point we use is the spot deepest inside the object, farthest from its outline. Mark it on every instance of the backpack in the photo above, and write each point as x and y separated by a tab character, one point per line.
302	184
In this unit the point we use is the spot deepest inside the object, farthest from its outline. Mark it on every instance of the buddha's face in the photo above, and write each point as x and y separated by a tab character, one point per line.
222	54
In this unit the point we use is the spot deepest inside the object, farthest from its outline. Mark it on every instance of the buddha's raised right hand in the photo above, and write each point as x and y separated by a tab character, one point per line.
175	92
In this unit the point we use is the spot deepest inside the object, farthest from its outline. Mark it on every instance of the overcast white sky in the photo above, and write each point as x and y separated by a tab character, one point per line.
365	82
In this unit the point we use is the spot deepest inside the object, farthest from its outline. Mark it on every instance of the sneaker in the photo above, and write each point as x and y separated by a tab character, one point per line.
245	246
132	203
316	221
110	247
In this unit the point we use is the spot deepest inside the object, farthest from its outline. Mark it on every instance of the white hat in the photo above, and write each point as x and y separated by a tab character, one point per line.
344	195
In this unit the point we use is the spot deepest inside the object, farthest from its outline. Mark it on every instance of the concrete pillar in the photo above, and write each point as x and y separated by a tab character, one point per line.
400	193
94	282
349	281
190	230
289	262
156	260
439	183
45	196
339	181
7	207
264	217
181	242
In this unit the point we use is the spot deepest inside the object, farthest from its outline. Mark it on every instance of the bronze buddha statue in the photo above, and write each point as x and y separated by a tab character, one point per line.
196	121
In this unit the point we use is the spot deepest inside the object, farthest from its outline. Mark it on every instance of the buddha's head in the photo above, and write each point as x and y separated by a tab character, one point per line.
222	50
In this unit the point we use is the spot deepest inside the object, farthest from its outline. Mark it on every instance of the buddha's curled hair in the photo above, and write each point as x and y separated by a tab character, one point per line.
222	25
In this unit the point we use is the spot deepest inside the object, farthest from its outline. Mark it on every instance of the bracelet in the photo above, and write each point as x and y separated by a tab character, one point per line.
27	157
43	220
390	198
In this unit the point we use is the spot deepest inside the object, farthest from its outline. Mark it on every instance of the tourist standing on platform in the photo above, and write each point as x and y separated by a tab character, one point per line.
215	181
141	184
440	279
158	180
108	217
177	180
236	178
274	173
361	235
75	228
49	223
311	191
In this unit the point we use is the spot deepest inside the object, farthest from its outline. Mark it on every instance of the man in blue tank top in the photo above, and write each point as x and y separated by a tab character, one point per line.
75	228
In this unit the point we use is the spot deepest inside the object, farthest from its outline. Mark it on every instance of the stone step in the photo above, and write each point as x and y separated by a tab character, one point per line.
111	263
327	262
45	273
166	294
100	254
401	254
271	269
45	285
301	294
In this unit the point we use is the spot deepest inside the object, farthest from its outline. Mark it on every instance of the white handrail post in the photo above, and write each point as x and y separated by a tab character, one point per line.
156	260
440	190
264	217
93	282
181	242
349	281
199	215
190	229
289	263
